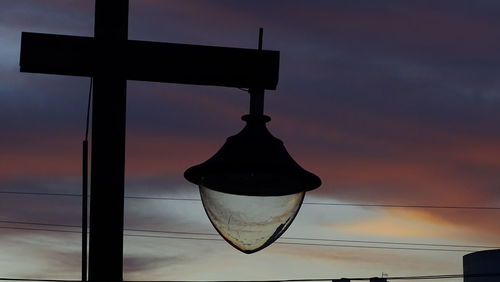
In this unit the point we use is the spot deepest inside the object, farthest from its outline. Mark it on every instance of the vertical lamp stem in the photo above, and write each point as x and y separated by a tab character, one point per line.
256	101
257	94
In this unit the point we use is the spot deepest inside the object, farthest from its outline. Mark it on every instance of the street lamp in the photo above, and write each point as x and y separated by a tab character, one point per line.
252	189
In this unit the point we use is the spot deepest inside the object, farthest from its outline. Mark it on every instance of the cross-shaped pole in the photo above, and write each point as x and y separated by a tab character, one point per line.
111	59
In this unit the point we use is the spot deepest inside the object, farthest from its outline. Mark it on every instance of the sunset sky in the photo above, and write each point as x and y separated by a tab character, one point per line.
390	102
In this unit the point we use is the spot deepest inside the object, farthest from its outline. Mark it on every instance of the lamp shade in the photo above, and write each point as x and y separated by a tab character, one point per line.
253	163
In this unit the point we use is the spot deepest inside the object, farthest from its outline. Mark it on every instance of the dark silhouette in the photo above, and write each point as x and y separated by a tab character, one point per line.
110	58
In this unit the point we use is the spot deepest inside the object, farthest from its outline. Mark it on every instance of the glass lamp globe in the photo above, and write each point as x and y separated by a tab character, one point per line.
250	223
252	189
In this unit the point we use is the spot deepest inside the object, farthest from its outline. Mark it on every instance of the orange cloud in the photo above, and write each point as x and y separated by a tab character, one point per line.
60	156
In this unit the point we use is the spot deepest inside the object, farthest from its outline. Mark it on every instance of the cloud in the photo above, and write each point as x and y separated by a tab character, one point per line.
401	225
56	16
388	103
132	265
43	254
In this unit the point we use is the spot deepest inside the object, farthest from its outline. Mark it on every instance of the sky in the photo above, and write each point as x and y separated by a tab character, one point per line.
388	102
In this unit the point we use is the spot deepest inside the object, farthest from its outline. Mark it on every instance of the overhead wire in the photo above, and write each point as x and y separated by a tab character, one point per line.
279	242
439	247
40	193
416	277
38	280
305	203
287	238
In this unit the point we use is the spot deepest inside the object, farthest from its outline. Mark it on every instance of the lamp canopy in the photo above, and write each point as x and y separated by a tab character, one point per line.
253	163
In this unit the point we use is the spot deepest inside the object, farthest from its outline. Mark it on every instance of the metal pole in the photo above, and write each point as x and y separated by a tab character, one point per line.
108	145
85	165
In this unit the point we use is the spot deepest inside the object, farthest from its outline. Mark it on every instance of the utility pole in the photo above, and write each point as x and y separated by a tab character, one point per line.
108	143
111	59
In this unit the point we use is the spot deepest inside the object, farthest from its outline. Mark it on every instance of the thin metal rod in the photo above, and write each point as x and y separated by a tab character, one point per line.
85	192
257	94
89	103
261	35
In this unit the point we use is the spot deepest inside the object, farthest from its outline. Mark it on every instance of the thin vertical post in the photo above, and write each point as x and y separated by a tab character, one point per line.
261	38
108	144
85	193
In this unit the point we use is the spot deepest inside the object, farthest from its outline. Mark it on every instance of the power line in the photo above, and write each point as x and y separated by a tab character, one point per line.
39	229
393	243
287	238
279	242
39	223
40	194
33	279
435	277
305	203
80	195
404	206
420	277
